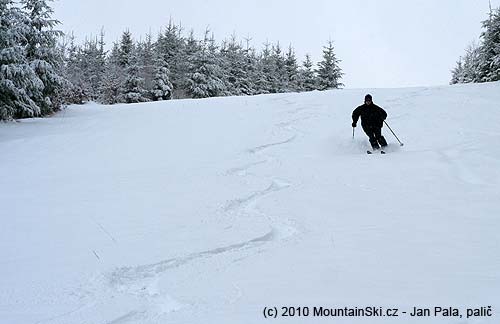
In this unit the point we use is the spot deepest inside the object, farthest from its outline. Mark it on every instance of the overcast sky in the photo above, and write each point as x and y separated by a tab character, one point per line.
382	43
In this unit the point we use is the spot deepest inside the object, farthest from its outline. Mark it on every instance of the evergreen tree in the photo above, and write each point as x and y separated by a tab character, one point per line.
17	78
162	87
457	74
187	65
169	48
146	61
91	64
74	92
237	81
307	79
280	77
206	80
469	67
112	80
472	64
42	54
329	72
292	70
125	49
490	50
71	59
132	90
250	65
264	71
125	67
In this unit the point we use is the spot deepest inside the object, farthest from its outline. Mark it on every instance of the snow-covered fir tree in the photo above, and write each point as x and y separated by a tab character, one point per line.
18	80
187	65
112	80
42	54
264	71
457	74
162	87
126	48
237	76
250	62
292	70
170	48
481	63
76	90
146	61
132	89
467	68
91	63
307	79
490	49
279	81
329	72
206	78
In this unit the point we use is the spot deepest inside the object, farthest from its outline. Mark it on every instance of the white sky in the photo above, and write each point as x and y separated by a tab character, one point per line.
382	43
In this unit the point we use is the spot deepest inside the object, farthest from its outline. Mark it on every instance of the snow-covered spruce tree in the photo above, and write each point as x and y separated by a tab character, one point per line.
280	77
250	62
468	68
91	63
162	87
206	79
457	74
472	64
186	66
329	72
112	80
237	80
42	54
75	91
98	58
264	75
307	79
132	87
169	48
146	62
125	49
490	49
292	70
17	79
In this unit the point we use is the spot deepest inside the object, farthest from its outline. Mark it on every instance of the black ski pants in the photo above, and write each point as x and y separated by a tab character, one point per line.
375	135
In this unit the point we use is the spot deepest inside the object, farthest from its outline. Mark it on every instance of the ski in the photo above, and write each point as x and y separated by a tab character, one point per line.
370	152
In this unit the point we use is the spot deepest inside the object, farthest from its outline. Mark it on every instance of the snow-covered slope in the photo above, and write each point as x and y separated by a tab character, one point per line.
207	211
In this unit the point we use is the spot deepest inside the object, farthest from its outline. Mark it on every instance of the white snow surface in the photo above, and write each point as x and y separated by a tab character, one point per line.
207	211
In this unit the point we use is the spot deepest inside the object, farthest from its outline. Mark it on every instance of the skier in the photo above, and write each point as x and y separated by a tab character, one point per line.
372	120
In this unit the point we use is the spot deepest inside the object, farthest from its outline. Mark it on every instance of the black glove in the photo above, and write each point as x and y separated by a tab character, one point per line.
353	124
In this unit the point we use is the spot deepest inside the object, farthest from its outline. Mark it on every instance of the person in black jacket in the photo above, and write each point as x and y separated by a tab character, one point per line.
372	120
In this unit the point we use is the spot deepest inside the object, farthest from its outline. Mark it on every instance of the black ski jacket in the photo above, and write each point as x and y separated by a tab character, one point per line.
371	116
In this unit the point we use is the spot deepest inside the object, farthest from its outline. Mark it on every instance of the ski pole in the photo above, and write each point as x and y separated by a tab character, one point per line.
401	144
353	133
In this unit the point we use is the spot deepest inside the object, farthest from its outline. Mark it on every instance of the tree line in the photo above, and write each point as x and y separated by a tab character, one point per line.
481	61
42	69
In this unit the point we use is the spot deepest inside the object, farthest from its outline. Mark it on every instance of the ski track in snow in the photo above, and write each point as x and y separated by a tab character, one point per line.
127	275
142	280
268	145
249	203
275	186
243	169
